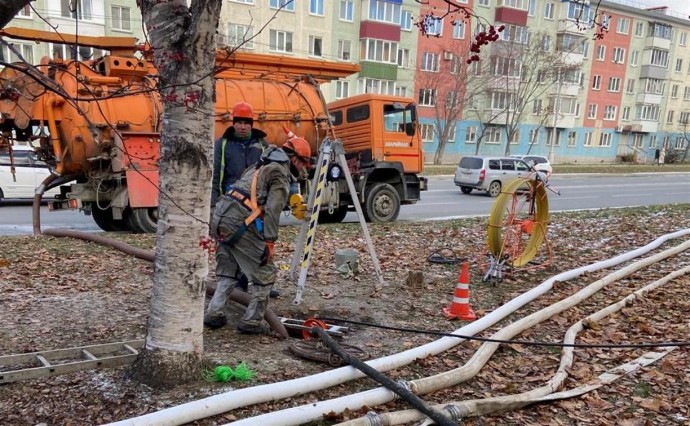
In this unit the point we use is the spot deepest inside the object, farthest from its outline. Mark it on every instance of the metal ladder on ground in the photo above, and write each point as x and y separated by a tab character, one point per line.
33	365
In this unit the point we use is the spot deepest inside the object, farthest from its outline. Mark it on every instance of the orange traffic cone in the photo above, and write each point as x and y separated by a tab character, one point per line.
460	306
288	132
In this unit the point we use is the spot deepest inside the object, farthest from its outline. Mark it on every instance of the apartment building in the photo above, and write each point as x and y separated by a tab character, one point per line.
599	98
84	17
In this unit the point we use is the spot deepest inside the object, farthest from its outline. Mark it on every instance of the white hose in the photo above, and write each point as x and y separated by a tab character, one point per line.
218	404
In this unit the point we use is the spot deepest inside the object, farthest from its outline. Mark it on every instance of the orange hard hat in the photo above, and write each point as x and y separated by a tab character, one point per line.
242	110
300	147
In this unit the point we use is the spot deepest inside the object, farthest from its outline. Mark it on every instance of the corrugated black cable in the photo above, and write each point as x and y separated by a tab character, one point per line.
514	342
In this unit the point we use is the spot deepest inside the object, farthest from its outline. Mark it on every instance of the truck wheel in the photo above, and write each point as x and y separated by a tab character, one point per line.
494	189
336	217
146	219
466	189
104	220
382	204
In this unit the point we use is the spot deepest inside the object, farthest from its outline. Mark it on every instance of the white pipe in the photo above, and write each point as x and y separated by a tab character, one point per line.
222	403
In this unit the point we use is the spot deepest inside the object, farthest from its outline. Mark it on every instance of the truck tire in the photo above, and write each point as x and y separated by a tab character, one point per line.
494	189
336	217
466	189
104	220
382	204
146	219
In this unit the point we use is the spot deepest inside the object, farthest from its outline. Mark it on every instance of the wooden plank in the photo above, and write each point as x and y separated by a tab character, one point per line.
55	370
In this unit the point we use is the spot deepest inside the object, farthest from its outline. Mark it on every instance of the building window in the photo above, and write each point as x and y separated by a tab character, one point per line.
533	136
596	82
26	49
406	20
669	116
659	58
346	10
433	26
493	135
280	41
430	62
605	139
384	11
625	115
373	85
244	1
82	9
652	141
404	58
516	33
63	51
316	7
502	101
623	25
427	131
610	112
614	84
548	10
379	51
638	140
471	135
537	106
315	46
674	91
647	112
680	142
683	119
288	5
515	138
679	65
588	139
451	132
601	52
344	50
342	89
639	29
572	138
427	97
654	86
686	93
577	109
400	91
634	57
682	38
630	86
452	99
618	55
484	3
240	35
532	7
459	29
592	111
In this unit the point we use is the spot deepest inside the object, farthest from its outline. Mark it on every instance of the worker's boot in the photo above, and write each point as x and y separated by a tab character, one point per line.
253	320
243	284
215	313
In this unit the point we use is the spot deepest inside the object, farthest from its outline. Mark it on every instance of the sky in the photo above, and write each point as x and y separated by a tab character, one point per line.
677	6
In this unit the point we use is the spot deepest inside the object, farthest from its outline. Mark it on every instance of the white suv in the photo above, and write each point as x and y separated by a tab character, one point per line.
541	163
29	172
488	173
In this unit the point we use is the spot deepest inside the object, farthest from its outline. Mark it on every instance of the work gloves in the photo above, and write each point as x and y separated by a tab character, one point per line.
268	253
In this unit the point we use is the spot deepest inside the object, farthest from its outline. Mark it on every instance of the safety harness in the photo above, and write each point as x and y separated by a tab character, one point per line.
250	204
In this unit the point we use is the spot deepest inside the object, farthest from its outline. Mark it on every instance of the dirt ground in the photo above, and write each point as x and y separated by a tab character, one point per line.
59	293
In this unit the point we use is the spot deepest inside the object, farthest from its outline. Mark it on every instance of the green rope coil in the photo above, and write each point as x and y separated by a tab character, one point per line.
224	373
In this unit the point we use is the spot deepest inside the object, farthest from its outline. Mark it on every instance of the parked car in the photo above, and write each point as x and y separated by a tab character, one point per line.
541	163
29	173
488	173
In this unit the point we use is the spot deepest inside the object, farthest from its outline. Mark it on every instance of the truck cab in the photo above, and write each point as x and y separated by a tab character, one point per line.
380	135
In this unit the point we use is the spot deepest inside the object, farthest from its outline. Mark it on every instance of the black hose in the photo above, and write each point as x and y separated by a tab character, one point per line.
399	390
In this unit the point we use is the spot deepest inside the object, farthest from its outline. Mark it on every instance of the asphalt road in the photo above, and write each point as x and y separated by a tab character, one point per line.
443	200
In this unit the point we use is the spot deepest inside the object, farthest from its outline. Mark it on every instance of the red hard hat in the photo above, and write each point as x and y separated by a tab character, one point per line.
242	110
300	147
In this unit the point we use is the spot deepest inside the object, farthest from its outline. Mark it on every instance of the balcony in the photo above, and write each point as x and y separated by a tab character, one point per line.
509	15
493	116
563	121
657	42
649	98
645	126
571	58
653	71
567	90
503	83
571	27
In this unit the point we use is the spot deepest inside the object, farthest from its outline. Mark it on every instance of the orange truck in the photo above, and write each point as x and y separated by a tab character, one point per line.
98	125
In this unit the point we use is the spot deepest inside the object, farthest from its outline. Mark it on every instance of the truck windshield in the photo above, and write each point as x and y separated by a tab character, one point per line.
399	118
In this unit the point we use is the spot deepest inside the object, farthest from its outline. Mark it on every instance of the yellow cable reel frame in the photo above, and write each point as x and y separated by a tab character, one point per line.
505	217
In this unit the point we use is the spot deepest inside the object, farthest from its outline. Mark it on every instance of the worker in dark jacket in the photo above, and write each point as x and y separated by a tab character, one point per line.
239	148
245	223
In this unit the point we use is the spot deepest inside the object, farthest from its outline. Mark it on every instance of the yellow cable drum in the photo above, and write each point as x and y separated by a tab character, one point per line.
507	217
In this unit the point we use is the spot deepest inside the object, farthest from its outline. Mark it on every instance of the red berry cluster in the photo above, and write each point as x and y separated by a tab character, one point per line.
481	39
207	243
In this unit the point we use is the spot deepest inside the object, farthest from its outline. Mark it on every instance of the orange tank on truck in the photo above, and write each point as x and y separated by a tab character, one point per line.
98	124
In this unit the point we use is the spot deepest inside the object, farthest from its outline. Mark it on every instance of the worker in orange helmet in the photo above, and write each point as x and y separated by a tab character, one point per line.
245	223
240	147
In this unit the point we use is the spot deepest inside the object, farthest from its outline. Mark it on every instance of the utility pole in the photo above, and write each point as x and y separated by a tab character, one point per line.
556	109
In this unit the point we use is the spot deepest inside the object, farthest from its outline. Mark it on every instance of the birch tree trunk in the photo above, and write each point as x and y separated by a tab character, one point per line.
183	43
